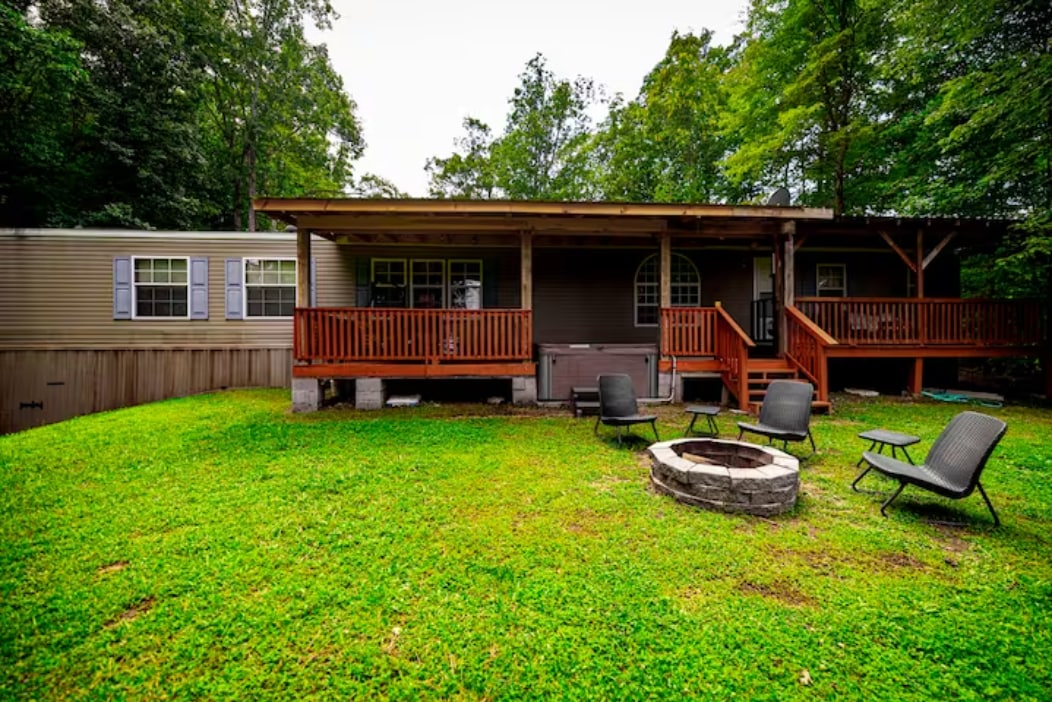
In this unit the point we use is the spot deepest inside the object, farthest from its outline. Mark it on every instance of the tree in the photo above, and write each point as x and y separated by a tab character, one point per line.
972	83
542	153
468	174
282	121
666	145
803	99
373	186
41	82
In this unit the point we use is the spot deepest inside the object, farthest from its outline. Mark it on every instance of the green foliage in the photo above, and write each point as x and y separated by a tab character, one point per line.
40	86
467	552
542	153
803	101
284	124
167	114
468	174
373	186
666	144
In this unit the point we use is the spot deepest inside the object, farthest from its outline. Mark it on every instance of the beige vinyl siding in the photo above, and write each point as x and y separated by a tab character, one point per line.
56	290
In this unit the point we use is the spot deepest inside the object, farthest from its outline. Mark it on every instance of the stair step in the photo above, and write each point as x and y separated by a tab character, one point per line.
584	400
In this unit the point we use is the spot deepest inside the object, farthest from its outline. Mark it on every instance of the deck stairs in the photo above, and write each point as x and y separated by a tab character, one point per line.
761	371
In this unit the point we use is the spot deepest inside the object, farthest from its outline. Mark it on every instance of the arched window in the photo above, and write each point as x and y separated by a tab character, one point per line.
686	287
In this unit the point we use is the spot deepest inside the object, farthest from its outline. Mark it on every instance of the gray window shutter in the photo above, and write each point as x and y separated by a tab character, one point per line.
314	282
235	289
122	288
198	288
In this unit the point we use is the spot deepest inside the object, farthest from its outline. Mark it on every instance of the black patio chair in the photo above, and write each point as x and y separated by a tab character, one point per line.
785	414
618	407
954	463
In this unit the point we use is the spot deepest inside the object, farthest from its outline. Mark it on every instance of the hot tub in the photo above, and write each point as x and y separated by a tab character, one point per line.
564	366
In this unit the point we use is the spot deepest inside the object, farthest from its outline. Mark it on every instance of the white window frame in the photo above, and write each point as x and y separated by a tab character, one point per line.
443	286
818	279
245	286
681	285
135	288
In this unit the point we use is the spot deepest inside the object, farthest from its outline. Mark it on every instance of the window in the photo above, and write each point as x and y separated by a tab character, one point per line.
270	287
685	287
388	282
465	284
831	280
161	287
428	283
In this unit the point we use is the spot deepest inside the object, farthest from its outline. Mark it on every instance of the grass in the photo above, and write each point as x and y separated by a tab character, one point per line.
219	547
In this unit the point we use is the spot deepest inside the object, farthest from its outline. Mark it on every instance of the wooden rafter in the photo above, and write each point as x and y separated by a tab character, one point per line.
897	249
938	249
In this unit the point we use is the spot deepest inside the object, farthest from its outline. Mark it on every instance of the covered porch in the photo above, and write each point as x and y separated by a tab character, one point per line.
603	274
574	274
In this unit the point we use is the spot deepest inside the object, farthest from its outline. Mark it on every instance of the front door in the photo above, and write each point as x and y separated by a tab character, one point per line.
762	322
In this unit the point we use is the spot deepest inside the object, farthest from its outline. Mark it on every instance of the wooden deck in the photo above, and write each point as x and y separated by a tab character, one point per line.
368	341
877	326
408	343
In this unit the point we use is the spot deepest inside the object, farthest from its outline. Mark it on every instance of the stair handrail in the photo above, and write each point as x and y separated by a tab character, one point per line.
732	350
806	346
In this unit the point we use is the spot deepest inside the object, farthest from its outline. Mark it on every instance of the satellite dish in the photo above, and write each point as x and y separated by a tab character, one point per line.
779	198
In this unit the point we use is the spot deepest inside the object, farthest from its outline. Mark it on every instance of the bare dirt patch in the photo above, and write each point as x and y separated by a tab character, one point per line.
896	560
141	607
778	590
114	567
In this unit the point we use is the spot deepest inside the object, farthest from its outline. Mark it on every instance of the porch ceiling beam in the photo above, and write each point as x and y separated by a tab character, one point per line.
897	249
938	249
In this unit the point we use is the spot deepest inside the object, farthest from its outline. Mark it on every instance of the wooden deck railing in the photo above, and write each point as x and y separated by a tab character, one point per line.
688	331
889	321
375	334
805	347
732	348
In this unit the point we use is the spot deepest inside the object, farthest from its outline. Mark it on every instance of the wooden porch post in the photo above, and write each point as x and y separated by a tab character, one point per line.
526	270
665	289
785	280
303	281
917	376
666	271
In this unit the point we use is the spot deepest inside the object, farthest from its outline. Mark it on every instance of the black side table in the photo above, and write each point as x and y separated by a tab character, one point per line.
880	438
707	411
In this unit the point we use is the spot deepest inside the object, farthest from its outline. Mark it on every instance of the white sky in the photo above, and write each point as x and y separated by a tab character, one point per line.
417	68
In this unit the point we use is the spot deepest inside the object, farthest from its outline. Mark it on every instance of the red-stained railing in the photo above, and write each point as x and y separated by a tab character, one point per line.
873	321
688	331
805	347
732	349
375	334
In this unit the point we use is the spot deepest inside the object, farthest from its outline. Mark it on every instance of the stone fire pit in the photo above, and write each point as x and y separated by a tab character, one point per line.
727	476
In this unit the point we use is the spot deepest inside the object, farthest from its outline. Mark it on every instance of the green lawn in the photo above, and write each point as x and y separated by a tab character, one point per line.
219	547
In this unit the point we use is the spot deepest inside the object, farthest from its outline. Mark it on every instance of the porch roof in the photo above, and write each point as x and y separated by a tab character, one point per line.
353	218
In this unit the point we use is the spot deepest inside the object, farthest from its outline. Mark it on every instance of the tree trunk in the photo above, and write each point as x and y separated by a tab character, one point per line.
251	187
237	204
